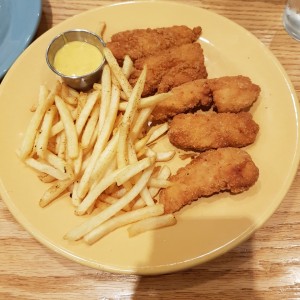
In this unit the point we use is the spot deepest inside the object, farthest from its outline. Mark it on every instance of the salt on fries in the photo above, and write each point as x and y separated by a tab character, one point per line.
95	146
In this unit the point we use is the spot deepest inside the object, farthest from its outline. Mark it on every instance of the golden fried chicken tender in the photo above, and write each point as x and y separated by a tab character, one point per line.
139	43
211	130
186	97
213	171
233	93
170	68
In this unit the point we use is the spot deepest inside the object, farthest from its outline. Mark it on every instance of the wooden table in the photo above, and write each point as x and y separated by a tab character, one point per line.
267	266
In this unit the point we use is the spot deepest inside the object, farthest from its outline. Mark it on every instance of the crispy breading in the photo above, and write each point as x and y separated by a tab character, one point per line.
170	68
211	130
213	171
227	94
233	93
138	43
186	97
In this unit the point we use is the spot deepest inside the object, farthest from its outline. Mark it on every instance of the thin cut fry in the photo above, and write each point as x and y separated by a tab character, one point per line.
159	183
122	220
71	134
45	168
140	122
126	87
89	129
148	101
86	110
95	192
133	169
101	28
44	132
163	174
105	158
84	228
59	163
127	67
161	129
45	101
105	95
102	139
46	178
128	118
55	190
151	223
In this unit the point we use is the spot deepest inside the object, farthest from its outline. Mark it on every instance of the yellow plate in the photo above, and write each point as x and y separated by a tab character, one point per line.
207	228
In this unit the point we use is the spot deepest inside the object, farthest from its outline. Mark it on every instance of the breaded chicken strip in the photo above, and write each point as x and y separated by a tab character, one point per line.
211	130
213	171
233	93
170	68
138	43
190	95
227	94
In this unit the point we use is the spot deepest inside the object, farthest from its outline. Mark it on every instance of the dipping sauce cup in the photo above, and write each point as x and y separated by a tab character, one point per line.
77	57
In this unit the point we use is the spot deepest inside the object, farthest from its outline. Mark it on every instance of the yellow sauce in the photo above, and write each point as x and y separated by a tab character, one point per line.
77	58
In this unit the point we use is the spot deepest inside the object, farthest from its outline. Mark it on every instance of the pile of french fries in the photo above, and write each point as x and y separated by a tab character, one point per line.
95	147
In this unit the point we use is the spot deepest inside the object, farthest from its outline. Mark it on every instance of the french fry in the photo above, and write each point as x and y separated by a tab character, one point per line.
159	183
87	226
105	95
127	67
61	144
70	130
148	101
140	122
59	126
163	174
44	132
90	127
97	86
128	118
68	94
145	194
74	197
93	193
107	199
117	72
131	170
101	28
140	144
89	147
55	190
151	223
45	101
59	163
102	139
45	168
158	132
46	178
165	156
105	159
77	162
122	220
122	156
86	110
135	97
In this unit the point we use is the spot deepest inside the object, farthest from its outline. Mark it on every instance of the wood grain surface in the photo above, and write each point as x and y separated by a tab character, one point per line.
267	266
